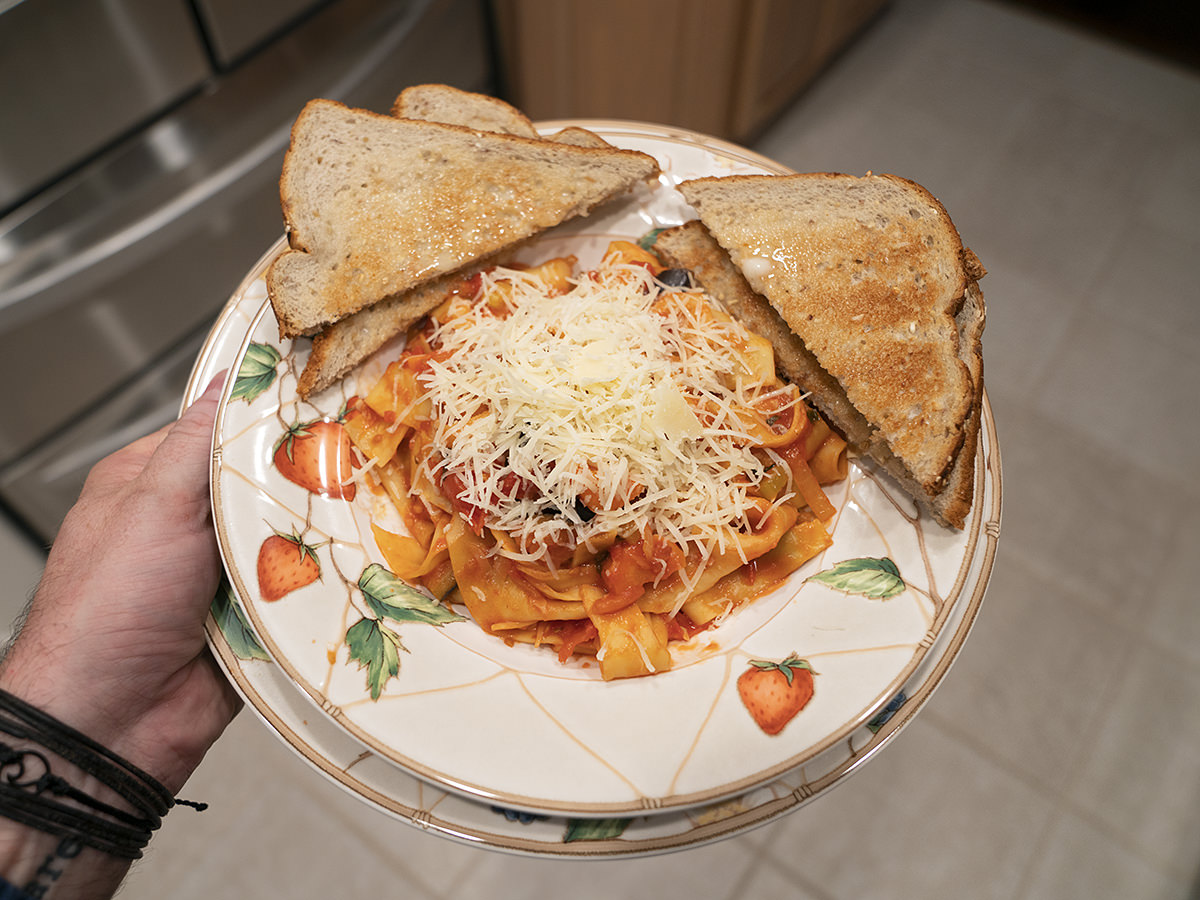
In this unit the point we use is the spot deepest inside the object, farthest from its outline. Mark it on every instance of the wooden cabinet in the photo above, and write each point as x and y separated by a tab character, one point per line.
722	67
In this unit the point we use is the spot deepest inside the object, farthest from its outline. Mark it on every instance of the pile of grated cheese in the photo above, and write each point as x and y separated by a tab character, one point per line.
591	393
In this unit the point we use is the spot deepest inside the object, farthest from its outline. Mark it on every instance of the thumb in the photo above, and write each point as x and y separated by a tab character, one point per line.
183	457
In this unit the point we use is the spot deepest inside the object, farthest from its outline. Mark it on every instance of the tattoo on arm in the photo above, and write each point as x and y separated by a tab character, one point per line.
52	868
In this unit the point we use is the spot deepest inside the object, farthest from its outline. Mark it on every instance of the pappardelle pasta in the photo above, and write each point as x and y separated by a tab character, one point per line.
601	462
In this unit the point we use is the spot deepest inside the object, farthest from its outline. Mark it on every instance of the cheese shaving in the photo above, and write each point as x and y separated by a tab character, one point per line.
602	395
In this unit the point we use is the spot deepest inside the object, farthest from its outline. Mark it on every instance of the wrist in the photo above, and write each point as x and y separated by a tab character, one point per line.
159	702
41	863
73	814
102	714
44	865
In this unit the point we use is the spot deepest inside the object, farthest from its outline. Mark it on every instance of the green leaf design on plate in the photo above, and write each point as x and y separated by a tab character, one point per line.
256	373
887	712
647	240
375	648
875	579
391	598
594	829
228	615
788	666
373	645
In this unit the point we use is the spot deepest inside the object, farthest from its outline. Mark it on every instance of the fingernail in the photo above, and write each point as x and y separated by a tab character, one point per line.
217	383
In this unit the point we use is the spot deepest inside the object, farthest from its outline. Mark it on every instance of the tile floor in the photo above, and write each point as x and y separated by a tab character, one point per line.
1061	758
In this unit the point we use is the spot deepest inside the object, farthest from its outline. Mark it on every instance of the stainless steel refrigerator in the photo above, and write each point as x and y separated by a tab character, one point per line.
140	149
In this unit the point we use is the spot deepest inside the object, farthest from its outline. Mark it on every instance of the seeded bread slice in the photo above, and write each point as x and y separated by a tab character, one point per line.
690	246
580	137
452	106
377	205
871	275
342	345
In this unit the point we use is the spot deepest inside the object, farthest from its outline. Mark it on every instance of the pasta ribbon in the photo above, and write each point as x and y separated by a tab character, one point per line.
596	463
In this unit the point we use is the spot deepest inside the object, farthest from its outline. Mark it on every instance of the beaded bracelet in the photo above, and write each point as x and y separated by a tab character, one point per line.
29	791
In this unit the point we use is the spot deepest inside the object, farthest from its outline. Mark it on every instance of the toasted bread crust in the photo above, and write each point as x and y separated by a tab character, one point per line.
870	274
952	504
691	246
453	106
342	345
361	227
580	137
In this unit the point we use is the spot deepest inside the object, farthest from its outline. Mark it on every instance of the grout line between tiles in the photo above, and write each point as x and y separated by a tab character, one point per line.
812	890
385	852
1025	879
982	750
1064	803
457	881
1077	318
1061	793
1048	571
1135	627
756	859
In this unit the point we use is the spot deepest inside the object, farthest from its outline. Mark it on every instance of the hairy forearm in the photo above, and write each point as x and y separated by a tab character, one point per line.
40	862
109	687
74	813
43	865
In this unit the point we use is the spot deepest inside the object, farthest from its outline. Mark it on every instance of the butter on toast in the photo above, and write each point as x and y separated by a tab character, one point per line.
376	205
869	278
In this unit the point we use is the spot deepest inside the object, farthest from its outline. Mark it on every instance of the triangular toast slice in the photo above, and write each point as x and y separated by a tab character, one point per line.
377	205
870	276
340	346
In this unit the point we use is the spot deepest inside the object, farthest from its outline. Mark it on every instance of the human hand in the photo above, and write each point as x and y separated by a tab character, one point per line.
114	644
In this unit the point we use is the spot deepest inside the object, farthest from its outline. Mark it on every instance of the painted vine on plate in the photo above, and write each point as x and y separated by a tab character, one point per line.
318	456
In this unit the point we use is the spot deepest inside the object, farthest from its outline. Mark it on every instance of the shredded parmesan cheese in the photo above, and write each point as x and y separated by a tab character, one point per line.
597	394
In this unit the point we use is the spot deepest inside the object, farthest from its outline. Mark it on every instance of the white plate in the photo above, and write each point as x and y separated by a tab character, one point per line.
387	788
511	726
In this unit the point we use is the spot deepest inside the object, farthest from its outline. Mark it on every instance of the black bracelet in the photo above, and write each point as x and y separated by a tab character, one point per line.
28	788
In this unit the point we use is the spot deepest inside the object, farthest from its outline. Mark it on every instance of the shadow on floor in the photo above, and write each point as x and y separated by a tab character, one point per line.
1164	28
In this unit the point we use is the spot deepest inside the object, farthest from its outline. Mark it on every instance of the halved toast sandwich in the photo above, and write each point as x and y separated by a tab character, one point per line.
340	346
377	205
872	302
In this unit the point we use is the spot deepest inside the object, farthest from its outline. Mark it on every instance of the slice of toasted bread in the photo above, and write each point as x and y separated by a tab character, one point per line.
377	205
870	275
580	137
342	345
452	106
690	246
